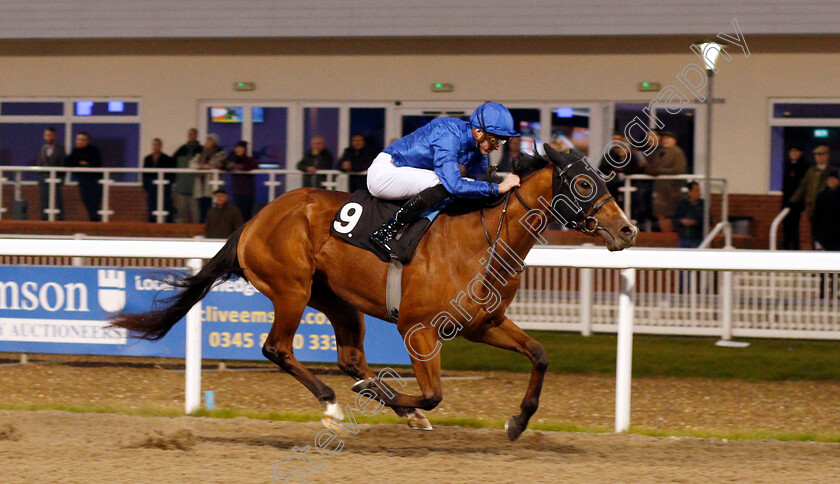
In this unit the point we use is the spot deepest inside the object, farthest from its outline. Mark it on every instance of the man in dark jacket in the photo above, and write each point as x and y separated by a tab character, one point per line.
158	159
825	224
86	155
223	219
826	210
794	169
318	158
243	185
688	218
357	158
185	204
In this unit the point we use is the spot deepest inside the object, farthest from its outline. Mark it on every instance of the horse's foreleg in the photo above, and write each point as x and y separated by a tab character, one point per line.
510	337
423	349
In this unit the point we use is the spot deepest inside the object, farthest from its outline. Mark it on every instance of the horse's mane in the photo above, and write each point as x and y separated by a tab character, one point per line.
528	164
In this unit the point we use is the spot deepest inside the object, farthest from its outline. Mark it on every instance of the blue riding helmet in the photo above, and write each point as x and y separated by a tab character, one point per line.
493	118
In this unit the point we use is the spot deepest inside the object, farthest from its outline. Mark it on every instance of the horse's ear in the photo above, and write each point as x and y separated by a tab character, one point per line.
562	160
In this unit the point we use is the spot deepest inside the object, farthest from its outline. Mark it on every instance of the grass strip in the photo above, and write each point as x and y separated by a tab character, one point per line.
658	356
466	422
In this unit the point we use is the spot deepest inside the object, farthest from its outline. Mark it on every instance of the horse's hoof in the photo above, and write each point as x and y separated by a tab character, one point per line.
418	421
331	414
513	429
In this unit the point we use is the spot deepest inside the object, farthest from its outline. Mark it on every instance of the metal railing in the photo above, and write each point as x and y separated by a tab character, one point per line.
774	227
722	303
629	190
333	180
628	297
723	226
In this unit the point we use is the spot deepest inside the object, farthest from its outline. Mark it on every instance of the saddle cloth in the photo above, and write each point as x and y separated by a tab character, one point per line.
362	214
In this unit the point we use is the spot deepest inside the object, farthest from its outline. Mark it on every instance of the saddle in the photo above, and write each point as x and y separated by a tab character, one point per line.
363	213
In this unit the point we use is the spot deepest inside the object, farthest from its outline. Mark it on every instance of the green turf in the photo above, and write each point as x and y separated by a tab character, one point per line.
467	422
763	360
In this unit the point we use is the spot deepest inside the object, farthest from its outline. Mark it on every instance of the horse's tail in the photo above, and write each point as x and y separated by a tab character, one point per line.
154	324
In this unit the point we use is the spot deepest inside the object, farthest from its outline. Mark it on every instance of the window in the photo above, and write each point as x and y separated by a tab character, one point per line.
806	124
321	122
114	126
226	122
370	123
570	126
32	109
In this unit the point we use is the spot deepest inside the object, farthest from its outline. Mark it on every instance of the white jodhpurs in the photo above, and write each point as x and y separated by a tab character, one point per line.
389	182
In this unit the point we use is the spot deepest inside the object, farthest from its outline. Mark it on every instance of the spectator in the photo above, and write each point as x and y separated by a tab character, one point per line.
688	217
794	170
158	159
212	157
826	209
223	219
185	204
813	183
642	198
318	158
512	152
824	221
51	154
669	159
243	186
357	158
86	155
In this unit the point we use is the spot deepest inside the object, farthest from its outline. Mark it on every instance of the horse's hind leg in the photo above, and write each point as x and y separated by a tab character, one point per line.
349	326
511	337
278	348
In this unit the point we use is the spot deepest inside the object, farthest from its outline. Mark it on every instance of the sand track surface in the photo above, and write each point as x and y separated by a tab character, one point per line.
53	446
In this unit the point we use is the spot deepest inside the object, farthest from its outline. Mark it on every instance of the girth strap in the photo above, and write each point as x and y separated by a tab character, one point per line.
393	290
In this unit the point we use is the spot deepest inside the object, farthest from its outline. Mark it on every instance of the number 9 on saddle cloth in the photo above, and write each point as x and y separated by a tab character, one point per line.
362	214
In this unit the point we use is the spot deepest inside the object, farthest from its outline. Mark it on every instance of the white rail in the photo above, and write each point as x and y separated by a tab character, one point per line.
724	226
334	180
774	227
583	258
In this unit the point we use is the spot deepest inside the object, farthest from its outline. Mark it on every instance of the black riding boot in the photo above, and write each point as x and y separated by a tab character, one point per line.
408	213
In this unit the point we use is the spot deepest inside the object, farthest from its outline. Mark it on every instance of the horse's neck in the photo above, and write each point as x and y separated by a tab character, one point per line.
520	231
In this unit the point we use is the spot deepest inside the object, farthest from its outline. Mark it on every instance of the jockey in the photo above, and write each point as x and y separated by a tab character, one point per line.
425	166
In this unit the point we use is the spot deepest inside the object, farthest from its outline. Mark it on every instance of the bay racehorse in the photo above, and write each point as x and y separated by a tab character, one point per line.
460	282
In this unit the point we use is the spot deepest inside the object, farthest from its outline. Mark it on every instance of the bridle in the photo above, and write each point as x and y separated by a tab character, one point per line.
587	223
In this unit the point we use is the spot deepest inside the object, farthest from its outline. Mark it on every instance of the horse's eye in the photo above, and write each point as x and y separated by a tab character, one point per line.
585	185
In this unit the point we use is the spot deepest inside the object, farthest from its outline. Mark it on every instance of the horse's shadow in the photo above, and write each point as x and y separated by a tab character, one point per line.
414	444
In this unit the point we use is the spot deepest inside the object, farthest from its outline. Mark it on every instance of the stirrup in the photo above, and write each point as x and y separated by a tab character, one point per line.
381	239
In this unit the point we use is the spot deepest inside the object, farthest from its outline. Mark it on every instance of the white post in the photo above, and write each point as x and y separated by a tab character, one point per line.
726	305
106	182
587	286
624	350
159	210
192	397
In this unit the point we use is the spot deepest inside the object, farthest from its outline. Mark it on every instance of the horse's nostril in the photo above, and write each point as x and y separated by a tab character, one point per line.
629	231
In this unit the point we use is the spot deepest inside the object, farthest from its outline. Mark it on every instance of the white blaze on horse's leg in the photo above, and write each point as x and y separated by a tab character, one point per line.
334	411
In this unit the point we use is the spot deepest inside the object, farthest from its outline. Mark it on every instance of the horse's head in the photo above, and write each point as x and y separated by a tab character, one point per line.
580	200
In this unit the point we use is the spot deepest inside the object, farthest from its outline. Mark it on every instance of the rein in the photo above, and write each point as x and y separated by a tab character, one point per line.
495	241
